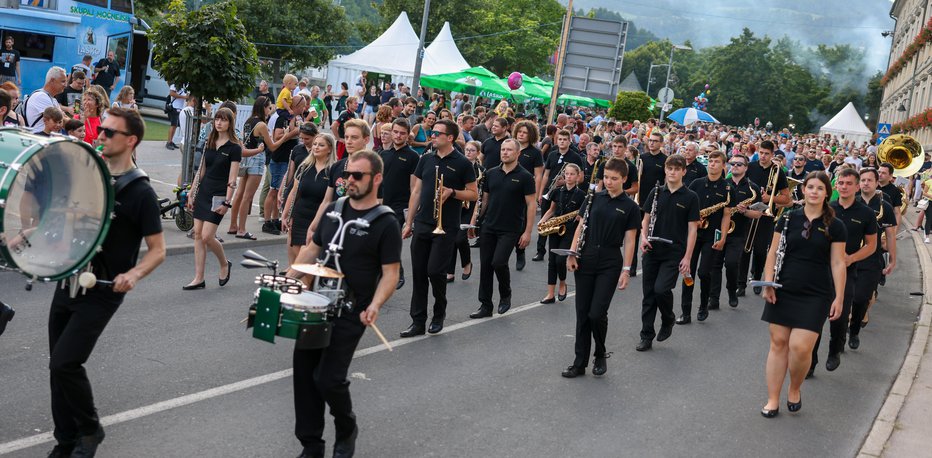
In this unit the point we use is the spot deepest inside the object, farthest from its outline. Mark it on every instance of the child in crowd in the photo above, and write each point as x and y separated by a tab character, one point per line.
283	102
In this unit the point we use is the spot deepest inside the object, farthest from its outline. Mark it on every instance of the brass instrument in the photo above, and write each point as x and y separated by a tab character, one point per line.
553	184
584	222
904	197
903	152
556	225
438	201
772	179
793	184
745	202
705	213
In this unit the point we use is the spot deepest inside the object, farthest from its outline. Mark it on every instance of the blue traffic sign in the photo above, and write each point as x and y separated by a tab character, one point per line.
883	131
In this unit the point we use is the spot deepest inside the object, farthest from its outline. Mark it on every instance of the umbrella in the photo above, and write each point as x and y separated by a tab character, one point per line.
687	116
567	99
476	81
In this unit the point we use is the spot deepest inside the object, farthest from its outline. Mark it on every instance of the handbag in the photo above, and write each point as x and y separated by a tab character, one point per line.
923	204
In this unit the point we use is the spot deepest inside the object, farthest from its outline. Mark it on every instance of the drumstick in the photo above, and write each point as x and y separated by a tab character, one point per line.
381	337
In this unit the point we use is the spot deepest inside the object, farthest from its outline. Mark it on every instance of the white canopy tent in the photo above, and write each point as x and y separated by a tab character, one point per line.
849	124
394	53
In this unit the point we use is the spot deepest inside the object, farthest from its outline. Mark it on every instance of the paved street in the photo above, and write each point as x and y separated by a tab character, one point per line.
486	388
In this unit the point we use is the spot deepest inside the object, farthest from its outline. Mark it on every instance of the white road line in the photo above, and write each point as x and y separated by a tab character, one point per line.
122	417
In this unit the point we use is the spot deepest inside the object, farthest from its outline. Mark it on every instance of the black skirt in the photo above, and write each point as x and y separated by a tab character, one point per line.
204	201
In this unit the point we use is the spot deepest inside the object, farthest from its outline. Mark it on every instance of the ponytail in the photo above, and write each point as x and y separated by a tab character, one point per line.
828	215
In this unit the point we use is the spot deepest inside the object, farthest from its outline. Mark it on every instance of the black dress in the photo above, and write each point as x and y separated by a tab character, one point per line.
217	164
806	297
310	193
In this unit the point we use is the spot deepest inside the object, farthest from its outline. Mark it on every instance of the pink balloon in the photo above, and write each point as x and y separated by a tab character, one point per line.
515	81
706	86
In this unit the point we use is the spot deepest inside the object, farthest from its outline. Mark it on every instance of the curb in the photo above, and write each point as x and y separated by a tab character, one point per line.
880	432
227	245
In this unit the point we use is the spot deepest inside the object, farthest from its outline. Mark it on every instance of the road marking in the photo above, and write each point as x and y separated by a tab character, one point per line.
122	417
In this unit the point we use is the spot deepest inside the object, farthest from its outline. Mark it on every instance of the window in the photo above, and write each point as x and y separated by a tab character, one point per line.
32	45
100	3
124	6
46	4
119	46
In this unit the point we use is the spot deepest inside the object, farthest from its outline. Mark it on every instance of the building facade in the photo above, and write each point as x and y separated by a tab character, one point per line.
907	90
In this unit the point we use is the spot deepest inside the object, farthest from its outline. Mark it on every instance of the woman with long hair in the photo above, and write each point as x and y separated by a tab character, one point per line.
126	98
13	119
812	275
370	103
257	139
461	244
341	98
104	98
566	199
211	194
420	133
311	180
871	161
91	108
382	117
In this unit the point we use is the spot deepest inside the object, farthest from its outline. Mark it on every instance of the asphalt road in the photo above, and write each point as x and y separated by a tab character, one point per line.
481	388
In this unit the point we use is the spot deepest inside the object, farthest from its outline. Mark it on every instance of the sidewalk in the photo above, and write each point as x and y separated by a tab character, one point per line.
902	427
177	242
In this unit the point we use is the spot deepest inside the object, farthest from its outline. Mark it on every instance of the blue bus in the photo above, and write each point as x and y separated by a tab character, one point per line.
61	32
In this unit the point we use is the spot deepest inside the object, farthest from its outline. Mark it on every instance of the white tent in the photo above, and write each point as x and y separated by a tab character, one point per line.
394	53
848	123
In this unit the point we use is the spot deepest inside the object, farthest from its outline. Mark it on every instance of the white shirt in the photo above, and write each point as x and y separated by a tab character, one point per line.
853	160
177	103
178	139
37	102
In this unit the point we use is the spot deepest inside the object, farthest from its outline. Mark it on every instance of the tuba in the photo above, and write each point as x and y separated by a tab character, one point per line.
903	152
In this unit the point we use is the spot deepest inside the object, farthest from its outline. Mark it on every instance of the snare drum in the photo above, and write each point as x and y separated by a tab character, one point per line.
303	317
56	199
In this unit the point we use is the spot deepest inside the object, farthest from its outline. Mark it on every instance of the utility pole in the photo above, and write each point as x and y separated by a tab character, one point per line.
561	58
420	49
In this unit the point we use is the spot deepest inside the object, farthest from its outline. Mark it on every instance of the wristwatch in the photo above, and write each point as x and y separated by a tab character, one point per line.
227	204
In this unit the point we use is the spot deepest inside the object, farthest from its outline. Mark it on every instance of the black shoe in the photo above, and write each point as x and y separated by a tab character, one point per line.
482	312
200	285
278	224
6	314
401	282
223	281
561	297
598	365
794	406
465	275
314	451
549	300
703	313
769	413
665	333
740	292
644	345
521	262
87	445
504	306
853	341
269	228
573	372
346	448
451	279
435	326
811	372
732	301
413	330
832	362
538	257
883	280
682	319
757	290
61	451
713	305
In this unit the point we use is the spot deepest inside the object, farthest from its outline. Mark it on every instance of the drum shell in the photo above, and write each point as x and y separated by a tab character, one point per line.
307	324
18	149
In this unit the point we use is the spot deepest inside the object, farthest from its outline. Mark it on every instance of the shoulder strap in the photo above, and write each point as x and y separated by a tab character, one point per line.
371	216
126	179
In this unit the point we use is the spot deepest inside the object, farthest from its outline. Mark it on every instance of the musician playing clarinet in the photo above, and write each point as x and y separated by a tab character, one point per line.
759	172
611	223
668	238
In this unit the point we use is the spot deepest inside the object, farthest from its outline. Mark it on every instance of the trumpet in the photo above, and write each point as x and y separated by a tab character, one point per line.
438	201
772	186
553	184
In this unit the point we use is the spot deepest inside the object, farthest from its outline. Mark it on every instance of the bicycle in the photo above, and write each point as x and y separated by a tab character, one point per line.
174	209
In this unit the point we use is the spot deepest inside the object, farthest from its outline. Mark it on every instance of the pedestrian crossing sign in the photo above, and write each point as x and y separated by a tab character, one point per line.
883	131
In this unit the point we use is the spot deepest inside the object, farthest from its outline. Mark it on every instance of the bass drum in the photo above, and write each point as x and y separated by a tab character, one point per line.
56	199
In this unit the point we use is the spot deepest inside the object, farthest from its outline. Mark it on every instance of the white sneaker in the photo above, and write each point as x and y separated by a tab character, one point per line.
927	239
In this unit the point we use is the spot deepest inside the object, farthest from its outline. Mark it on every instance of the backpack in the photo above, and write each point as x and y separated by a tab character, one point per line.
168	109
21	108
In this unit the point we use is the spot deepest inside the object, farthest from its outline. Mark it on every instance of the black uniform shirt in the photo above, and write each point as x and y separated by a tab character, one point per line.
694	171
609	219
284	150
531	158
652	172
893	194
457	172
674	213
796	193
568	200
336	178
492	152
632	175
107	76
860	221
758	174
364	253
711	193
888	219
399	165
505	206
739	193
555	162
587	172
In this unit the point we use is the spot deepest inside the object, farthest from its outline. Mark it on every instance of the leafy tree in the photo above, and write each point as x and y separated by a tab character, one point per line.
636	37
206	51
631	106
873	98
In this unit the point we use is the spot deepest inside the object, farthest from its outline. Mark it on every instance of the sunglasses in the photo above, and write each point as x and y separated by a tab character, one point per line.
110	133
806	227
437	133
736	164
356	175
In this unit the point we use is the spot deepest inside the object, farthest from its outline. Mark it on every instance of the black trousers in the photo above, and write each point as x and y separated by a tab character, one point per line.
430	256
709	274
661	269
758	255
734	251
493	259
320	380
461	245
868	279
596	280
400	217
542	241
839	327
74	327
556	265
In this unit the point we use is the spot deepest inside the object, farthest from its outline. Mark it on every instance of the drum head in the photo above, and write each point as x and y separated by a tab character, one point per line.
57	203
308	301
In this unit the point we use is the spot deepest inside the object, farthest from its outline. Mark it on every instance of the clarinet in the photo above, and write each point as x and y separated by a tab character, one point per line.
653	218
778	263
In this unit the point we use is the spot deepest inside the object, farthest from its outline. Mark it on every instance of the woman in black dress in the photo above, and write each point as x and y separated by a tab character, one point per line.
462	237
214	187
311	178
564	200
812	273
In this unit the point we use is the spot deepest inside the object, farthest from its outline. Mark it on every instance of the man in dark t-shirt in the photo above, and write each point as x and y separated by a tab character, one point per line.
108	72
9	63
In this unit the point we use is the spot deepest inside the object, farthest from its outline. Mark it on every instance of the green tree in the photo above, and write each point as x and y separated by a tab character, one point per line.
873	98
631	106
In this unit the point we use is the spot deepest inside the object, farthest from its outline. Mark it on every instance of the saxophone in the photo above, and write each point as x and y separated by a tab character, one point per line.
745	202
705	213
778	264
556	225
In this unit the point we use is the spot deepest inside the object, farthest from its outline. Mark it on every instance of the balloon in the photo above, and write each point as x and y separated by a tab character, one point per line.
515	81
707	87
696	98
708	92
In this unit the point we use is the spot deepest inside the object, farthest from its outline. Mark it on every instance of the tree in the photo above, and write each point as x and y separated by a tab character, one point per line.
631	106
206	51
504	37
873	98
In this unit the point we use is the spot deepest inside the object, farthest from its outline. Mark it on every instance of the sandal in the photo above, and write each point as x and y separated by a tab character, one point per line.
233	232
246	236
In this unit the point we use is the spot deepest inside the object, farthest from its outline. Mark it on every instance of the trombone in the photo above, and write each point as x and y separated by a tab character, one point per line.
772	186
438	201
553	184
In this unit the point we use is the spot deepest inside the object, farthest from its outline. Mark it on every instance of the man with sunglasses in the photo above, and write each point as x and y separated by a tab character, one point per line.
430	252
75	324
759	172
797	172
371	258
741	190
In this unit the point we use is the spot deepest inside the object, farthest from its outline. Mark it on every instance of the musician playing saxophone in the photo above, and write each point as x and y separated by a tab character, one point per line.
612	222
668	238
562	154
744	193
564	201
714	192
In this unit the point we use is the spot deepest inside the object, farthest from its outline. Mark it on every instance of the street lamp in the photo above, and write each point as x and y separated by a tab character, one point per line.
666	83
651	71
